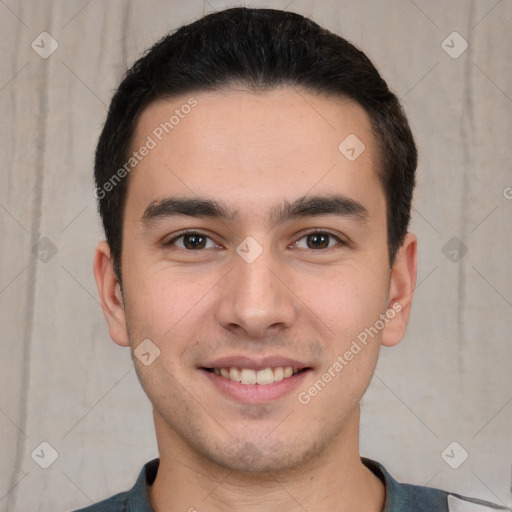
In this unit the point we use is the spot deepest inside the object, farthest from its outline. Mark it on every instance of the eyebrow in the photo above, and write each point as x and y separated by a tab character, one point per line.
306	206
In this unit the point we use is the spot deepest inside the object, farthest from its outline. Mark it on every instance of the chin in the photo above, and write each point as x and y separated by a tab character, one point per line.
263	456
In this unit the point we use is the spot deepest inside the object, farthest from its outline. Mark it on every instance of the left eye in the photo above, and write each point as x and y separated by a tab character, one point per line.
317	240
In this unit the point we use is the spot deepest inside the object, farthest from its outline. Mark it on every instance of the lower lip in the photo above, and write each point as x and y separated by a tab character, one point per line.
256	393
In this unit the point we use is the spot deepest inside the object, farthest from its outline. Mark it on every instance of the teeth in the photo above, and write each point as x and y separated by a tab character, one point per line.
261	377
248	376
265	376
278	373
234	374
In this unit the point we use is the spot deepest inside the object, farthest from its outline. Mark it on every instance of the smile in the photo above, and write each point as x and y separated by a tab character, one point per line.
262	377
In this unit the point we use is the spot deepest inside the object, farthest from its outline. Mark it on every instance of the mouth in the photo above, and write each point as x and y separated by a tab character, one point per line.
255	381
250	376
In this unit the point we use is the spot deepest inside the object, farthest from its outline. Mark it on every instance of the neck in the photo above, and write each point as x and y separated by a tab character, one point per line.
335	480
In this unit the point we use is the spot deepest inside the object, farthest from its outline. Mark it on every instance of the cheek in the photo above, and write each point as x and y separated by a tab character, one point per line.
166	306
153	307
347	300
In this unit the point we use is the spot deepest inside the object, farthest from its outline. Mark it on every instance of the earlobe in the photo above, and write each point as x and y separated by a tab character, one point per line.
109	290
401	290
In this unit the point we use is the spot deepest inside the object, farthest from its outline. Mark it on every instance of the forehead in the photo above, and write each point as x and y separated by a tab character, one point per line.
254	148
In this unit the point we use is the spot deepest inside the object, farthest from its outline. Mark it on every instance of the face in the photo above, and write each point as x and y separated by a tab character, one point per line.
254	258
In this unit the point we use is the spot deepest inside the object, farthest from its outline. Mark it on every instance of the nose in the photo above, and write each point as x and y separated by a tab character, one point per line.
256	300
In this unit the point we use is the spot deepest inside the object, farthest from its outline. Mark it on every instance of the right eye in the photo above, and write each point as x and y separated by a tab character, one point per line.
193	241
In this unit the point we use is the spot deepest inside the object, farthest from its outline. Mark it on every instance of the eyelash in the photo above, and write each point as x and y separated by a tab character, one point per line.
339	241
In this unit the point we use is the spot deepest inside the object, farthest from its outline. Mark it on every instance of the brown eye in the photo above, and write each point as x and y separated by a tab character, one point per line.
318	240
193	242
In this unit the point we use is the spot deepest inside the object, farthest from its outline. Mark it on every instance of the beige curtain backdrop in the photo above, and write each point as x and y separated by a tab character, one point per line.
75	425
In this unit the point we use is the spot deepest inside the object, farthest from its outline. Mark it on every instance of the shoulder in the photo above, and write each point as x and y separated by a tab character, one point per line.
457	503
115	503
134	500
417	498
428	499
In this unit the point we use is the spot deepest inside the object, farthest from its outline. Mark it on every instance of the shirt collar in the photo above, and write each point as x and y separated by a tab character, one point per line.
399	497
137	499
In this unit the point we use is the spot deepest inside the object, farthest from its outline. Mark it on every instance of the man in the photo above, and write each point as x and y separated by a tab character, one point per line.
255	177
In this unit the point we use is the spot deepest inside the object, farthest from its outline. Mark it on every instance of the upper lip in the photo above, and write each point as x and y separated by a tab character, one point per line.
255	364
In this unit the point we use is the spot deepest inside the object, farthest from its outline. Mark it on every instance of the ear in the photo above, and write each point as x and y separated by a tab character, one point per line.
111	297
401	289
